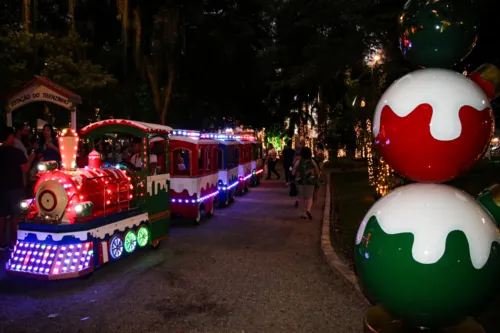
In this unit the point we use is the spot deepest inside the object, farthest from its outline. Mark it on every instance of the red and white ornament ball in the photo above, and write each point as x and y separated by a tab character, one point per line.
433	125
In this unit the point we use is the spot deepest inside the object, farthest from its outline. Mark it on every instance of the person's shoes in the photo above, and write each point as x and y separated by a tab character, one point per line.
3	248
11	248
268	178
309	215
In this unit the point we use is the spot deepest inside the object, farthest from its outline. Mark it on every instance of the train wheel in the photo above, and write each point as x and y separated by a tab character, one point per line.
142	236
212	210
155	245
116	247
197	220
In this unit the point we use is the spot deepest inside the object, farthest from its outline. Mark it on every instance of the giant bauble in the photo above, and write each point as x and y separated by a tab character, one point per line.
437	33
429	254
432	125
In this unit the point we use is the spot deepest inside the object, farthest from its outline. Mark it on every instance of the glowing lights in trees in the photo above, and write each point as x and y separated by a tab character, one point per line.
369	154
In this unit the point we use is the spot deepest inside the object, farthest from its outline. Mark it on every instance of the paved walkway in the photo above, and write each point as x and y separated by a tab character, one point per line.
254	267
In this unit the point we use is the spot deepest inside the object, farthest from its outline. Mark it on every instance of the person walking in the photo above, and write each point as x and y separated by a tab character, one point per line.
306	173
14	164
288	154
319	157
271	162
296	158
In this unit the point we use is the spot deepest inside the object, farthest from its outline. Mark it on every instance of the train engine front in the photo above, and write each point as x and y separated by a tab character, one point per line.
57	239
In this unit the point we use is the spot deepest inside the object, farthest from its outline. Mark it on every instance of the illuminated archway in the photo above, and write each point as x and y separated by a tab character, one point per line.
41	89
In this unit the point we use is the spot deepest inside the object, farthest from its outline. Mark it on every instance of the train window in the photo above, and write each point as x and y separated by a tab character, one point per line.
159	149
209	165
181	162
220	158
237	155
200	159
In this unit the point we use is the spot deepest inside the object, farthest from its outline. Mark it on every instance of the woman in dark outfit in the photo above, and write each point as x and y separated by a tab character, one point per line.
48	145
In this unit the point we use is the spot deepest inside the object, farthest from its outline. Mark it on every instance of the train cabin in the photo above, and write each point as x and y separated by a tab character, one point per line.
245	162
257	163
194	174
227	158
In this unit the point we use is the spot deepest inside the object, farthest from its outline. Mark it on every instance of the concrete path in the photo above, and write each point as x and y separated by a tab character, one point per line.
254	267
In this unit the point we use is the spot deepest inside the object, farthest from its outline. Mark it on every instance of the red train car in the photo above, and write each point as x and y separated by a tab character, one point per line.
194	174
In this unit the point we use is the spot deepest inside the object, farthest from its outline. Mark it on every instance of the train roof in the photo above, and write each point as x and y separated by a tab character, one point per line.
224	139
193	140
145	127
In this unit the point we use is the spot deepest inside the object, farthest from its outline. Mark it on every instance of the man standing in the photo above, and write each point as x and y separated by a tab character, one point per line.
14	164
137	160
271	162
18	142
288	154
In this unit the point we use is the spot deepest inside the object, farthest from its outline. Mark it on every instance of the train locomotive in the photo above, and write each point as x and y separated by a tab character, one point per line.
82	218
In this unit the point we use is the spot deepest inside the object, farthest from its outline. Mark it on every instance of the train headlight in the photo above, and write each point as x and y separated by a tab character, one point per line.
83	209
47	166
25	204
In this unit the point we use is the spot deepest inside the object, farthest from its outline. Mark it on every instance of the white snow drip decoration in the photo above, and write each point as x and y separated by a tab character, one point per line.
228	175
430	212
148	127
193	185
445	90
157	179
244	169
100	232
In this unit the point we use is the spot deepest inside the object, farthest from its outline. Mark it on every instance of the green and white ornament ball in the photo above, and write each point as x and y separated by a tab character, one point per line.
429	254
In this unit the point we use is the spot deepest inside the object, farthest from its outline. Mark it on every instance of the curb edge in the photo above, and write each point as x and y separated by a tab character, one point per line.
329	253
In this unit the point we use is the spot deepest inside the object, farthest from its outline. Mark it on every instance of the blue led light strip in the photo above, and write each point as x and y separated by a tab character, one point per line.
194	201
225	188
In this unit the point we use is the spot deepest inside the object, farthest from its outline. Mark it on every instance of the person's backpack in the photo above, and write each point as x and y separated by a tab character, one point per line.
306	173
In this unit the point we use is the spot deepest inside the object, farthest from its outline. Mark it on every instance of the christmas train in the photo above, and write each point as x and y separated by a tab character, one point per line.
82	218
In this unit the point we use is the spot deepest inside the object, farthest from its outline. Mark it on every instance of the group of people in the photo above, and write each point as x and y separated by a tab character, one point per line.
302	172
20	153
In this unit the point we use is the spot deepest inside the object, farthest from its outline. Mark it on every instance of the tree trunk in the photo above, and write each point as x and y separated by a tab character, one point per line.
155	88
71	15
137	41
26	15
123	13
321	114
168	94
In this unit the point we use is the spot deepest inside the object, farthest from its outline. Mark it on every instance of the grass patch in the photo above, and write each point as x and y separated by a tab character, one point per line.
345	163
352	197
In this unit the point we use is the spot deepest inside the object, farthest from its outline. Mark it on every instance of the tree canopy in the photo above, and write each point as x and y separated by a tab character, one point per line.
213	63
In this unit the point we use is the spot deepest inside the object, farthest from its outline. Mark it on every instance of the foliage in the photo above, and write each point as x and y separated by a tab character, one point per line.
212	63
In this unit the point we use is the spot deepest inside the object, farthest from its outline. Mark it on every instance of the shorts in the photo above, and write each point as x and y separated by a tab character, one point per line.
305	191
10	202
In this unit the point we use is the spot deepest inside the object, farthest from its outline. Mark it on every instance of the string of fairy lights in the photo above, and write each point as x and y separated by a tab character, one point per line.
369	152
